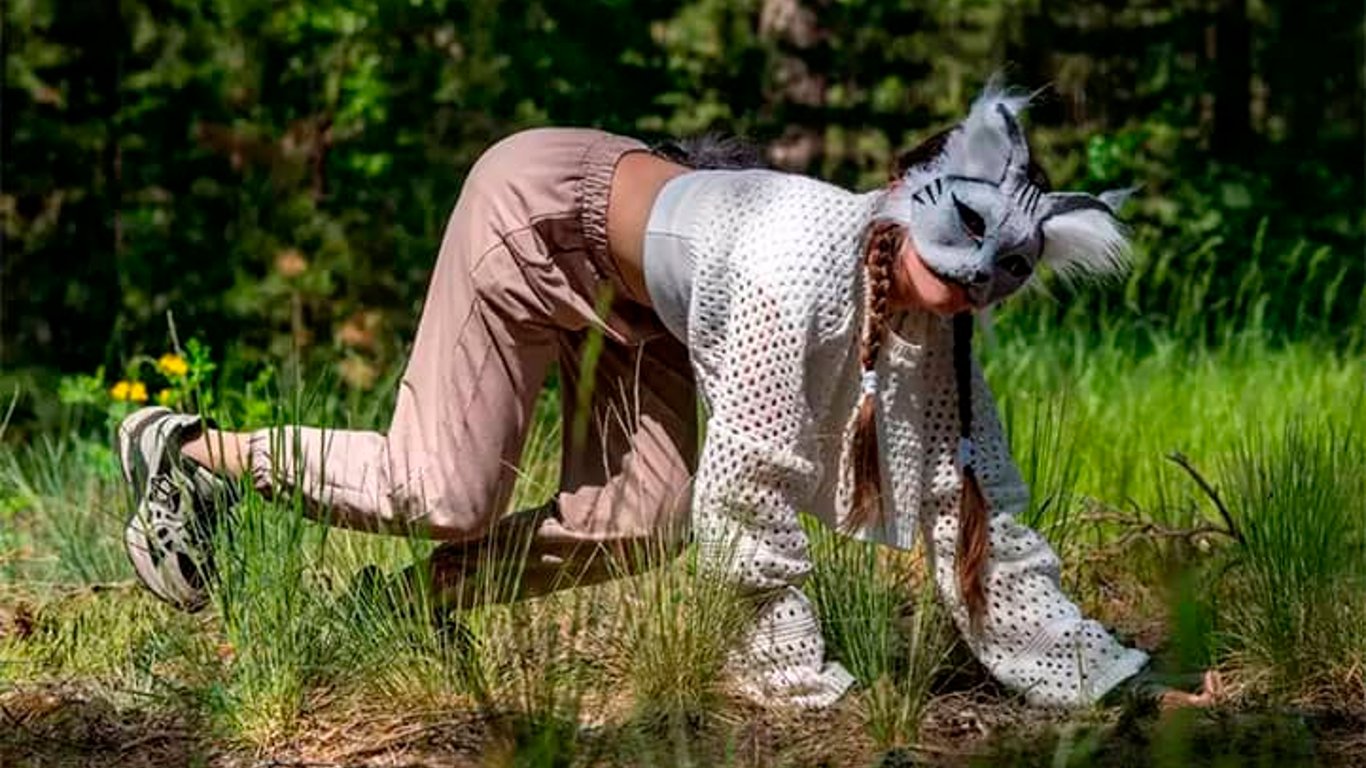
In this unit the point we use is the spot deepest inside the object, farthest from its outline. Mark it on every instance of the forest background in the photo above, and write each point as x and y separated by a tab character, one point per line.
278	174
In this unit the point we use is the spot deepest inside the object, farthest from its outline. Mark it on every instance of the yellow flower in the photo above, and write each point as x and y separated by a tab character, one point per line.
166	397
172	365
120	391
137	392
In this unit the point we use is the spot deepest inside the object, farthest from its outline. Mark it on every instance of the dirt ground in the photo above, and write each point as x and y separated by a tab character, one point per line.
65	727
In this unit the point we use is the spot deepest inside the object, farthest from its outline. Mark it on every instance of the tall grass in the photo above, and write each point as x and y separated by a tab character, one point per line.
883	622
673	635
1126	409
1292	597
1188	288
61	500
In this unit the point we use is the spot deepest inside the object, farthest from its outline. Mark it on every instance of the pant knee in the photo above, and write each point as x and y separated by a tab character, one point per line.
441	513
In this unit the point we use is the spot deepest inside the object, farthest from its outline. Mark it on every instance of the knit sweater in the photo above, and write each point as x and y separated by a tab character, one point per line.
774	325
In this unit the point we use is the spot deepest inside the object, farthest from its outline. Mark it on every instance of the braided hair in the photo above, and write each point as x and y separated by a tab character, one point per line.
882	246
974	545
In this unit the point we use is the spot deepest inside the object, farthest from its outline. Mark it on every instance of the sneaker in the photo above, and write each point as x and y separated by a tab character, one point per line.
169	535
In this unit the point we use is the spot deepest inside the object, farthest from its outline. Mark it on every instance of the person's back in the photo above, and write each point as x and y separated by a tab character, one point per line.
713	235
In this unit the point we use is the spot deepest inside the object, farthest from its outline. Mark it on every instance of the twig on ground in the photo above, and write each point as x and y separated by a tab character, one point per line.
1180	460
388	740
1135	526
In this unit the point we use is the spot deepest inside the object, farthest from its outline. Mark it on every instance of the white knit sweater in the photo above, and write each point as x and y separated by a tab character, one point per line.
774	326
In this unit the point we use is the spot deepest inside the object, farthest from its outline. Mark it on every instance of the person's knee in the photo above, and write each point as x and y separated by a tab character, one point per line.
439	513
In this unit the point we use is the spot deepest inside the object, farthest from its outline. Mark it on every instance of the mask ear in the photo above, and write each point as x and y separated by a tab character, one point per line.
989	143
1115	199
1081	236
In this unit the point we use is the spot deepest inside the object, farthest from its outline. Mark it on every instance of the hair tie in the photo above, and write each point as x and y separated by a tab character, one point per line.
967	453
869	382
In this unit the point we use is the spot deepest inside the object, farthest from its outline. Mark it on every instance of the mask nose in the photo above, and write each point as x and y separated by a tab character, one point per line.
980	277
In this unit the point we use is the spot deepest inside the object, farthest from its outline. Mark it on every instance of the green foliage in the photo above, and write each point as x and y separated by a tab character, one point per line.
675	632
278	174
891	634
65	498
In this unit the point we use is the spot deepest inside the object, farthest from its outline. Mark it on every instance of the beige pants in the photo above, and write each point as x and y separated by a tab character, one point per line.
523	279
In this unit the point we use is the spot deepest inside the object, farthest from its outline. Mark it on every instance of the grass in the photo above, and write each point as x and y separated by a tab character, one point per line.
882	620
632	671
1295	606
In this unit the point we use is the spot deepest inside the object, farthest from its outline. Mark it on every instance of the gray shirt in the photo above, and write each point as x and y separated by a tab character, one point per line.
670	239
668	259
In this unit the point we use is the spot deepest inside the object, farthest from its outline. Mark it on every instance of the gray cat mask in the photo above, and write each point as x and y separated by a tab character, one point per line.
979	218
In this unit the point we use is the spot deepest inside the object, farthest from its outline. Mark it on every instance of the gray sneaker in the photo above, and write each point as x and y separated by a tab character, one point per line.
169	535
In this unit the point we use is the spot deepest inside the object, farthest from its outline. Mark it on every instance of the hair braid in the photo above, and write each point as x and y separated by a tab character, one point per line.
880	250
974	544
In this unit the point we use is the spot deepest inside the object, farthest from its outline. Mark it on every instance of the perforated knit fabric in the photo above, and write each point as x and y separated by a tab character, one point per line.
774	327
1032	638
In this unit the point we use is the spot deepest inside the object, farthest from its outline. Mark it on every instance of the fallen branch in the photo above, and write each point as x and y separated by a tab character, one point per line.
1134	526
1180	460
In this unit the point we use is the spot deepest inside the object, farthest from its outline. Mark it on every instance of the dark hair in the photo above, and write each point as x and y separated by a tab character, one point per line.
712	151
930	148
974	543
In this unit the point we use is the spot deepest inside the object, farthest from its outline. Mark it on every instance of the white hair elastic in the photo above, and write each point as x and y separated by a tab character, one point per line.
869	382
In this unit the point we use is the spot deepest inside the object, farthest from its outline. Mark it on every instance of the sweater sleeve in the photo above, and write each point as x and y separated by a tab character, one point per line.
759	465
1033	638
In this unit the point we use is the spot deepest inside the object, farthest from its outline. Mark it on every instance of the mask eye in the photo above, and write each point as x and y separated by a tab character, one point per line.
1017	266
972	221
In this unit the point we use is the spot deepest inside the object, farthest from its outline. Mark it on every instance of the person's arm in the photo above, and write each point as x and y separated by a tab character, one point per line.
758	467
1032	637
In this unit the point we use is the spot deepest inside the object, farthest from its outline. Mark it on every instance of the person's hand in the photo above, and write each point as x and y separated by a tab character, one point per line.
1211	693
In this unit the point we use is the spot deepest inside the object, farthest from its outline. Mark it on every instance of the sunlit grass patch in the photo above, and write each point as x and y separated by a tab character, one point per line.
1129	402
117	639
672	637
881	619
1292	592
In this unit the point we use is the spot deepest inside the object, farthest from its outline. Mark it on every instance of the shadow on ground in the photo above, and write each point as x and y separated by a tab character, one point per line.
60	727
65	728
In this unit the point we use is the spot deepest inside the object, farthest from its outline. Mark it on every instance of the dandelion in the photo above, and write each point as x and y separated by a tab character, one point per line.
166	397
120	391
129	391
172	365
